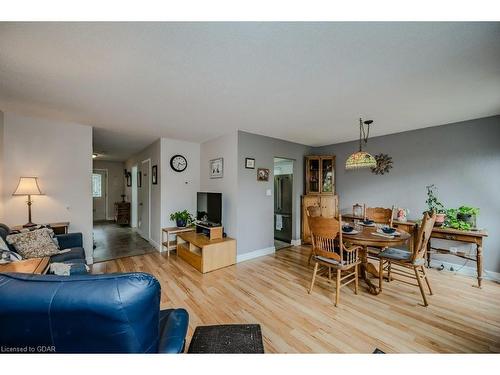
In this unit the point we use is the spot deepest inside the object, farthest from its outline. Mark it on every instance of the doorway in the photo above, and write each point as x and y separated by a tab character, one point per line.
144	199
133	203
99	194
283	202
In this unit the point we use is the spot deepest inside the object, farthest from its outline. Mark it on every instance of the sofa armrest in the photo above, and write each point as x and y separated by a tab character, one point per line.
69	240
173	329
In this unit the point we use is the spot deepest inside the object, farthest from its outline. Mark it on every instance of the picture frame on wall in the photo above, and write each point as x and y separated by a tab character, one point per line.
262	174
216	168
139	179
249	163
129	179
154	175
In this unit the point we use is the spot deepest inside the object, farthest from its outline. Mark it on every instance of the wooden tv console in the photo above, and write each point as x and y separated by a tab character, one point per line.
204	254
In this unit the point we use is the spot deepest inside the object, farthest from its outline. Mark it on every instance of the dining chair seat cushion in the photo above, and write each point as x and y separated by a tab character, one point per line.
395	254
329	260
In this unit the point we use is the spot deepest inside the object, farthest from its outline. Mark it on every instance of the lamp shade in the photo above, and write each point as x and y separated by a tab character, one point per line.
28	186
359	160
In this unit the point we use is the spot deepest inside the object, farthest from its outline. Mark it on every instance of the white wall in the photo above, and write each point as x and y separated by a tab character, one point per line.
227	148
116	182
152	152
1	168
179	188
60	155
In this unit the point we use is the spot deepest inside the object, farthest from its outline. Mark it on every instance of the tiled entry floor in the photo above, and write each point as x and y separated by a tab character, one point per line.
114	241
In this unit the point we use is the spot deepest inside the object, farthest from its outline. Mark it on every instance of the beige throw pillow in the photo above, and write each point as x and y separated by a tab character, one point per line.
34	244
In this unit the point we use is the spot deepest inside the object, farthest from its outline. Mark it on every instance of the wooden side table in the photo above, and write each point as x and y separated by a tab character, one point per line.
35	266
168	245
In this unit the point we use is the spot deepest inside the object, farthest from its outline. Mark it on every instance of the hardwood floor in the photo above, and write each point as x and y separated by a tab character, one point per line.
272	291
114	241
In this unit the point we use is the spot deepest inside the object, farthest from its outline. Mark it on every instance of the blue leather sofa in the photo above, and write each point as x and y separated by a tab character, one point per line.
72	241
111	313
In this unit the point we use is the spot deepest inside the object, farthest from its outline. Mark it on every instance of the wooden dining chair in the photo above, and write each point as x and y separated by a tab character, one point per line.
342	259
408	260
312	211
379	215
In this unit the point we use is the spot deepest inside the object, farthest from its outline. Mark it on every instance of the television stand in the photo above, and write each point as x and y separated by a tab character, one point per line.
204	254
212	232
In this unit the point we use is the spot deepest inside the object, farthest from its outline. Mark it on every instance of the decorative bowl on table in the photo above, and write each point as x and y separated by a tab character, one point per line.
388	230
368	222
347	228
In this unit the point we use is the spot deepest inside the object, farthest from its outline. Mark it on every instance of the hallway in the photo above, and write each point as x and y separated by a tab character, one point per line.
113	241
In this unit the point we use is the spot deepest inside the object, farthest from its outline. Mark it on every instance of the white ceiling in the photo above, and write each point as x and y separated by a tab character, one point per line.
303	82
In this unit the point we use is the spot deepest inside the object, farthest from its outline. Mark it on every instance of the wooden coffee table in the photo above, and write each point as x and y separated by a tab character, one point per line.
35	266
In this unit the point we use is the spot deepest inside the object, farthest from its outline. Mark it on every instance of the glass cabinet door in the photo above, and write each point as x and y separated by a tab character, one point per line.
313	175
327	175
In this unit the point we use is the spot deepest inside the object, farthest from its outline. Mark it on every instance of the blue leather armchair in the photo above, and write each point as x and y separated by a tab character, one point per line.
112	313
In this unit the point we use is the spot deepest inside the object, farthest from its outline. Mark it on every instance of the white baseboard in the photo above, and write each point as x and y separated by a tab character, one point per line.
296	242
155	245
465	270
255	254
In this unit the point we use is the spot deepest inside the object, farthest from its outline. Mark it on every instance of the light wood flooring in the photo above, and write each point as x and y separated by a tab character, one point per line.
272	291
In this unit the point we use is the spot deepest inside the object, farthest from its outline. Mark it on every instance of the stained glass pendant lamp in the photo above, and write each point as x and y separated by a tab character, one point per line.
361	159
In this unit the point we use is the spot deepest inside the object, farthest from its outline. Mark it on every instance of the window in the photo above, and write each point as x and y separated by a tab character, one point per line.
96	185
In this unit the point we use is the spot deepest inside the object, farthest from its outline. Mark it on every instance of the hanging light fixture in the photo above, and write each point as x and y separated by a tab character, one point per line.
361	159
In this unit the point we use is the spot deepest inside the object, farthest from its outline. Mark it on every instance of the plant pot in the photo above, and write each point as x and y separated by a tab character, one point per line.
467	218
439	220
180	223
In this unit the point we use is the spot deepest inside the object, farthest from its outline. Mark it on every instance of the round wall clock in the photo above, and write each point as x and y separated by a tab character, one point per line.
178	163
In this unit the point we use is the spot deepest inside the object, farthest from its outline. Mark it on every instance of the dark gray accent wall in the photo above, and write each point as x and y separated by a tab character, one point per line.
461	159
255	208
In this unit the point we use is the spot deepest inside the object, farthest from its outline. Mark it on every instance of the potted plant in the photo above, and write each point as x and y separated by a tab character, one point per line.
434	205
182	218
463	218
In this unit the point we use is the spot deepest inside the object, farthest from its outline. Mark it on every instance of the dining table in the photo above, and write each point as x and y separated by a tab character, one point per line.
368	236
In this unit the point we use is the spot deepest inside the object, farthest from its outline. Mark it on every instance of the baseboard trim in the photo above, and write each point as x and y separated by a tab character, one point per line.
296	242
465	270
255	254
155	245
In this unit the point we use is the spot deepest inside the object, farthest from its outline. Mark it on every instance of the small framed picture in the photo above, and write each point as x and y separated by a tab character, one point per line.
154	175
250	163
139	179
262	174
129	179
217	168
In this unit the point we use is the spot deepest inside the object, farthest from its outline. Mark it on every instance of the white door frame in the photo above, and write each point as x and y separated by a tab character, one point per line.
105	170
134	199
149	194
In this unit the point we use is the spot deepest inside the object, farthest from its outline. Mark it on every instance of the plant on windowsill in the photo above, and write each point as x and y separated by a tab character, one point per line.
182	218
434	205
463	218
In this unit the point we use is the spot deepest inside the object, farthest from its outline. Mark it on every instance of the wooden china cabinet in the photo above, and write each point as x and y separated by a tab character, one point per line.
319	189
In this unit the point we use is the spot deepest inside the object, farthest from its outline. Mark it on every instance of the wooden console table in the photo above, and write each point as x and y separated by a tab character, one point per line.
58	228
473	237
204	254
35	266
168	245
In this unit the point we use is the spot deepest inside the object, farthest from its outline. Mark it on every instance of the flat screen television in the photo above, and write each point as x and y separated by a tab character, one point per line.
209	208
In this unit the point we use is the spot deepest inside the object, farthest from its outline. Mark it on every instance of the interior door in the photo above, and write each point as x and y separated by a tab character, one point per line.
144	197
99	194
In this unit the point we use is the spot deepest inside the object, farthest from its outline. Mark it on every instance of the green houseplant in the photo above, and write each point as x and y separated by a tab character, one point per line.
434	205
182	218
463	218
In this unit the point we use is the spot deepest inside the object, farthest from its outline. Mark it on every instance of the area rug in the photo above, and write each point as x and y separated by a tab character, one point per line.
227	338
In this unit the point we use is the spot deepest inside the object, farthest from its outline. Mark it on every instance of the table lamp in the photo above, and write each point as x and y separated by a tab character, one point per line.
28	186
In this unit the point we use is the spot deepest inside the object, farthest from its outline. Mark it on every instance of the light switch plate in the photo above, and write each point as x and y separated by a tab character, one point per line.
269	192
